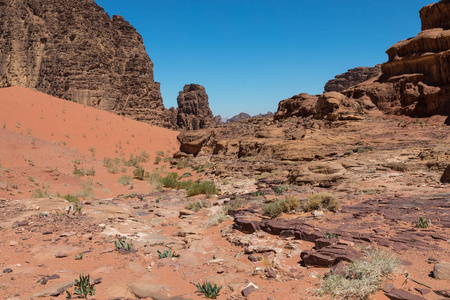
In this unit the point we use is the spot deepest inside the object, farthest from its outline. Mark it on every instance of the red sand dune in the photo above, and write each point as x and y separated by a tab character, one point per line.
42	136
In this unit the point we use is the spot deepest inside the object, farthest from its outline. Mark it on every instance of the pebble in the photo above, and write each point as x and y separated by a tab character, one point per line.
13	243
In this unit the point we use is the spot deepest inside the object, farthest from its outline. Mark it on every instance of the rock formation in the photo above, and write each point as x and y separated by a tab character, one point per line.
75	51
301	105
241	116
416	79
352	77
193	108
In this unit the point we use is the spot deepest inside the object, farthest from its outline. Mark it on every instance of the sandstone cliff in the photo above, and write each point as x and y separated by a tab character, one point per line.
352	77
416	79
193	108
73	50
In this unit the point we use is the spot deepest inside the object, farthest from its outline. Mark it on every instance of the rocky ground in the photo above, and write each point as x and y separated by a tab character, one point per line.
385	171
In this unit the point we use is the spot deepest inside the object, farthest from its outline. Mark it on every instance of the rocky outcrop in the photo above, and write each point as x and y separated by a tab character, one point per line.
301	105
352	77
416	79
193	108
75	51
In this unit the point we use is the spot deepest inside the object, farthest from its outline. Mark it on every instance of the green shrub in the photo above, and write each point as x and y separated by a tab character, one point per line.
83	287
274	209
281	189
184	163
167	254
76	202
140	173
122	244
172	181
210	291
87	192
196	206
363	277
125	180
217	218
318	201
205	187
423	223
286	205
38	193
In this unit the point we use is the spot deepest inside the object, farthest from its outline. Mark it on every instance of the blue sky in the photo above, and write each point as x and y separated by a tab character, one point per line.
250	54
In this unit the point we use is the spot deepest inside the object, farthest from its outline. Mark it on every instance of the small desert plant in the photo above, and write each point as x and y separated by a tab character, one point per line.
273	209
363	277
286	205
205	187
125	180
122	244
258	193
83	287
171	181
38	193
140	173
79	256
210	291
423	223
182	164
87	192
75	201
167	254
217	218
90	172
196	206
280	189
329	235
157	160
318	201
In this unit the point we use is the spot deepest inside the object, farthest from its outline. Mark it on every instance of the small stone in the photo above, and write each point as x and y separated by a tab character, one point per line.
102	226
314	274
443	293
250	288
13	243
8	270
270	272
422	291
396	294
20	224
255	257
61	255
317	213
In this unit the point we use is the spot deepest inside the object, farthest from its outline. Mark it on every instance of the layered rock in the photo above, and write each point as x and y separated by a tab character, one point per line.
301	105
352	77
193	108
73	50
416	79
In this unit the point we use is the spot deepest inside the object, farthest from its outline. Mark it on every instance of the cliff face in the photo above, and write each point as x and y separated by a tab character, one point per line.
193	108
416	79
73	50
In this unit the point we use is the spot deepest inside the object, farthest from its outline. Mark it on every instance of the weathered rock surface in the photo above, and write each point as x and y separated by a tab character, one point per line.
320	174
75	51
193	108
352	77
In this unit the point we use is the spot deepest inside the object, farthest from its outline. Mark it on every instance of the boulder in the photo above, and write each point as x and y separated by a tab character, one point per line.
442	270
329	256
193	141
301	105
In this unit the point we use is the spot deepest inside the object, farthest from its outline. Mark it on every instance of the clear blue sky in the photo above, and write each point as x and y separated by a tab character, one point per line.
250	54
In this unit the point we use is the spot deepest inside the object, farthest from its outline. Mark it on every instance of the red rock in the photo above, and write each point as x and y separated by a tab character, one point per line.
396	294
193	108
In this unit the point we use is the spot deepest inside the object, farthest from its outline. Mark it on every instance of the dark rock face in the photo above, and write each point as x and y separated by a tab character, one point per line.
193	108
73	50
352	77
